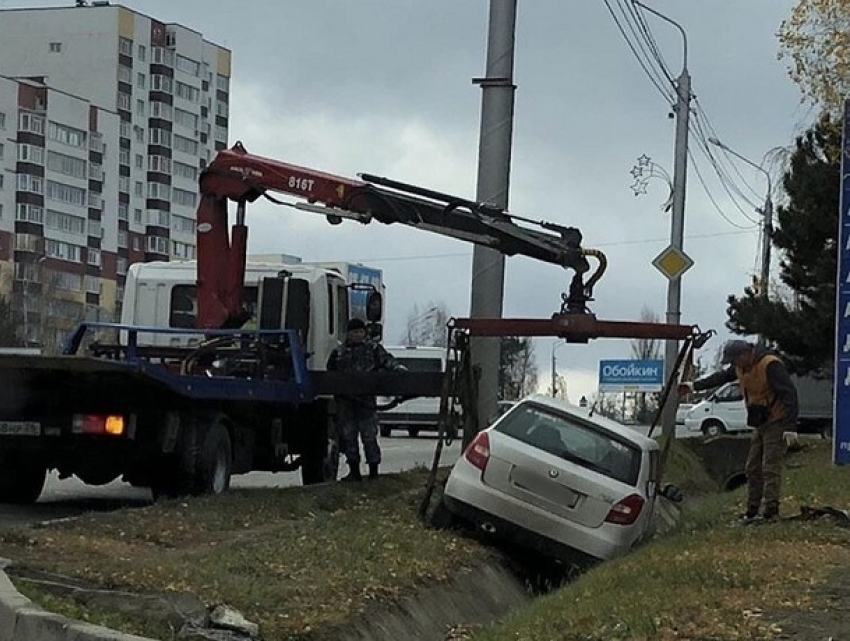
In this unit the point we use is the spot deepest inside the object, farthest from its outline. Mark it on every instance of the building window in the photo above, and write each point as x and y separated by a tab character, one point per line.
221	109
142	53
139	189
122	238
186	119
67	135
55	47
92	284
66	223
140	161
163	56
157	245
95	171
63	193
139	133
222	82
140	80
68	165
29	213
159	164
183	224
2	120
186	145
125	129
124	101
125	46
96	141
187	65
159	137
124	184
123	211
28	242
221	133
183	197
95	229
2	149
185	171
124	157
125	74
32	123
94	257
158	191
137	244
32	184
140	107
121	265
160	110
187	92
158	218
137	213
162	83
63	251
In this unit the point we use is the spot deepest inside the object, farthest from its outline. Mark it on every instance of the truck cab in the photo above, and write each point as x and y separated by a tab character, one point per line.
164	294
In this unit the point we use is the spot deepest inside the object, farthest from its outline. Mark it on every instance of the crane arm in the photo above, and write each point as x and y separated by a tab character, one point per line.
236	175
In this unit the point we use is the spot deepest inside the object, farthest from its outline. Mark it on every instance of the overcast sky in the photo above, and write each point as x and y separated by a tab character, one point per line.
384	87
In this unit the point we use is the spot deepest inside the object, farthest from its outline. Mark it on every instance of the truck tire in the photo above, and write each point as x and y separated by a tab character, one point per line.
413	432
386	430
21	480
321	463
206	457
712	428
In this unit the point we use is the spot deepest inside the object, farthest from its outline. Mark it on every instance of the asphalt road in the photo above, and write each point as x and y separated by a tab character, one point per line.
69	497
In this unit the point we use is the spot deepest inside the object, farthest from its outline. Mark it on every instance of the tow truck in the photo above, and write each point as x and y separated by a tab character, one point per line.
181	419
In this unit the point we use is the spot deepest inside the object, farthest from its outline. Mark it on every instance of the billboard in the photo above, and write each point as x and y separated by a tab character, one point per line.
631	376
841	409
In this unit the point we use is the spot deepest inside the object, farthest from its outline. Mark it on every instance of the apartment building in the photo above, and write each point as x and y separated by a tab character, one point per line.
107	116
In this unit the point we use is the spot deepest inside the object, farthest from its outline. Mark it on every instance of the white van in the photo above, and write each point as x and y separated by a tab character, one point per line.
418	413
720	412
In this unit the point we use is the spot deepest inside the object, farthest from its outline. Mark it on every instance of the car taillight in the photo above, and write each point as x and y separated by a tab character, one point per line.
625	512
478	451
97	424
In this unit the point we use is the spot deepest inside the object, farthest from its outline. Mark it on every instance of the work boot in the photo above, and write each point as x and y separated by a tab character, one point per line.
354	474
373	470
771	513
749	516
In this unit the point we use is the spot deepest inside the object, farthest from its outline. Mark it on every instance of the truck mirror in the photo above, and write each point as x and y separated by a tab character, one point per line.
375	331
374	307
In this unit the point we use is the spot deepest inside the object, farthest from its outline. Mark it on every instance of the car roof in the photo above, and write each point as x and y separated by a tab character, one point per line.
584	413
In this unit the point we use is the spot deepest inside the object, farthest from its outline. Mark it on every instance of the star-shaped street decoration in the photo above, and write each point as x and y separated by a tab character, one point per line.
636	172
640	186
644	160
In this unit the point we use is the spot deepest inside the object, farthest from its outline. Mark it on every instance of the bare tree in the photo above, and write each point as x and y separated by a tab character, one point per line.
518	373
645	349
426	325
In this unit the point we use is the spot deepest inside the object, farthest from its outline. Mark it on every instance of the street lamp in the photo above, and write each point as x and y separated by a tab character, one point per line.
767	222
677	220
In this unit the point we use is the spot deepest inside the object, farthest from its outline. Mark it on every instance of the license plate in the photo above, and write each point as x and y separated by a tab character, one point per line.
20	428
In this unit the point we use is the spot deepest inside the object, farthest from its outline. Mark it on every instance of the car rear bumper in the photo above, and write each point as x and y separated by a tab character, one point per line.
502	529
484	504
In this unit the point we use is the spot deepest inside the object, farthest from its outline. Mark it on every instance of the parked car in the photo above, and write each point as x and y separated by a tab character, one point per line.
415	414
558	479
723	410
720	412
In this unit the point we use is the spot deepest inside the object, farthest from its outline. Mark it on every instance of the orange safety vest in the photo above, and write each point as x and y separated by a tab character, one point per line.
756	387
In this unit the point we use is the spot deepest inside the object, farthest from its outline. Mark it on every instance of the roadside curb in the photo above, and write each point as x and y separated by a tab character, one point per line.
23	620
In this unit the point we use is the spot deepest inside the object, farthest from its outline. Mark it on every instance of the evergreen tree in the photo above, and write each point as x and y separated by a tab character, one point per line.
8	327
802	326
517	368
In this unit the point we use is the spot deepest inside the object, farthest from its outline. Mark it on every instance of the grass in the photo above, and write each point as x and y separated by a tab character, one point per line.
712	579
294	560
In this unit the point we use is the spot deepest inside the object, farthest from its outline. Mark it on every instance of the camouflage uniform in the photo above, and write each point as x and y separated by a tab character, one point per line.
356	415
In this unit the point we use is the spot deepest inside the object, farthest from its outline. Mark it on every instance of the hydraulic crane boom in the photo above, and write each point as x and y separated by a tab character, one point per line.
236	175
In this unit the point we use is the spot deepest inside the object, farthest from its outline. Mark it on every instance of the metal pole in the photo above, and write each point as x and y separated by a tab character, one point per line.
677	233
554	374
494	160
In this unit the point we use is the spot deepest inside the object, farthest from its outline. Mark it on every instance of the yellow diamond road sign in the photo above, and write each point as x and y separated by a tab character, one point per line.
673	262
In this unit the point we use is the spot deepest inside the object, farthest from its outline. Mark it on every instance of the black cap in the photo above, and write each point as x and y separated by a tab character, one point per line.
733	349
353	324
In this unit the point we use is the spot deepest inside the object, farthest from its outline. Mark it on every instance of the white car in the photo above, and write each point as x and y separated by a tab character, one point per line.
557	479
721	412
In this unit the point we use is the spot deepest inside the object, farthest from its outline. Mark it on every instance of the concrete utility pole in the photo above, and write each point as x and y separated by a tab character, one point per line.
494	168
677	225
767	221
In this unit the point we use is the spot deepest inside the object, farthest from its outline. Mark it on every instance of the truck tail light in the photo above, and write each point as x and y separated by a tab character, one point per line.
627	511
112	425
478	451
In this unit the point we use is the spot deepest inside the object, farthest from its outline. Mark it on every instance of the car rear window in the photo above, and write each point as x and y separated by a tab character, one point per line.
579	442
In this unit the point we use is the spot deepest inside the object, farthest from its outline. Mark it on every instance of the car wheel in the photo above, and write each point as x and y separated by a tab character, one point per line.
413	432
711	429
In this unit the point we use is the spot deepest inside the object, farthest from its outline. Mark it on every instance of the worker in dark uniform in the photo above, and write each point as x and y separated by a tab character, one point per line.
356	415
771	401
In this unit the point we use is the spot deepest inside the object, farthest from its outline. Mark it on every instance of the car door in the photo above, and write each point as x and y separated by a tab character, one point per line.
567	467
729	406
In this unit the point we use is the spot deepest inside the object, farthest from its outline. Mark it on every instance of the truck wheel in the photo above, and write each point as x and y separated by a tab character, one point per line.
322	464
413	432
206	458
386	430
710	429
21	480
